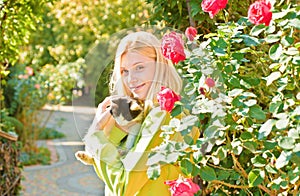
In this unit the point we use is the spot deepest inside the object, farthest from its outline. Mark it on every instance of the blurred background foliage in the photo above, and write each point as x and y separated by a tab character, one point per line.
53	39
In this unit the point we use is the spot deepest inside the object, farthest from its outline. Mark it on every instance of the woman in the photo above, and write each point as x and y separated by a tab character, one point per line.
140	71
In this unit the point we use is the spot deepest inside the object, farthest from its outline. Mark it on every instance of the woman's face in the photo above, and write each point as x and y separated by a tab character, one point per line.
137	73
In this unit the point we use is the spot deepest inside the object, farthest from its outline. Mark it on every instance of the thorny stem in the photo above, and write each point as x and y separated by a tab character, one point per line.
192	22
230	185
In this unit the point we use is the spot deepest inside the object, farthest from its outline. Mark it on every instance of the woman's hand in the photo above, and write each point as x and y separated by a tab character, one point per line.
104	119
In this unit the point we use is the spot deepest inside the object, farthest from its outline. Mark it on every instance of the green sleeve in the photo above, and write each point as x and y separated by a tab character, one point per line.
116	135
116	170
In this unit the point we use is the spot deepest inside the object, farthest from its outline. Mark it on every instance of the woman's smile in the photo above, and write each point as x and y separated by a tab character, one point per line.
137	88
137	73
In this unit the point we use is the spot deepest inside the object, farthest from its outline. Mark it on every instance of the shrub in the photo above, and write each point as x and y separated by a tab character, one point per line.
250	118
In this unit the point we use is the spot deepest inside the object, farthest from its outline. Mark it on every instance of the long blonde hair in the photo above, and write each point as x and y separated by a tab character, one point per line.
146	44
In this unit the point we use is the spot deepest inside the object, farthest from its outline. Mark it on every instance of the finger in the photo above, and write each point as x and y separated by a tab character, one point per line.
106	103
103	119
108	127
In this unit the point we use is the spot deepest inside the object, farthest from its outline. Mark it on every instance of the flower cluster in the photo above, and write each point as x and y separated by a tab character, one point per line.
182	187
29	72
258	13
173	45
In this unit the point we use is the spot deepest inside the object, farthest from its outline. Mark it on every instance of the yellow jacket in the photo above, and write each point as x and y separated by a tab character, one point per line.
127	175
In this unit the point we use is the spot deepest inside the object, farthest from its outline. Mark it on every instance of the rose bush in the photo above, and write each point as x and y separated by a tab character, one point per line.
249	117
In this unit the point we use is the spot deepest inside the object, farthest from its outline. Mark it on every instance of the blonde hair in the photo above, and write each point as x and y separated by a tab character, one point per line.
148	45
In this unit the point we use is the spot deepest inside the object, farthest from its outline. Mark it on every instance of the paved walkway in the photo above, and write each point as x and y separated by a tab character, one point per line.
66	176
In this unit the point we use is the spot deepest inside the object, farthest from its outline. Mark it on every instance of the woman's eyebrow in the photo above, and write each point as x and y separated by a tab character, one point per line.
133	65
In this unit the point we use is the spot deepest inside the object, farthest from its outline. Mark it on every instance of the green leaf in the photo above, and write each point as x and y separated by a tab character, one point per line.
287	143
269	145
207	173
296	60
276	107
222	43
257	113
250	41
190	89
292	51
188	139
177	110
272	77
246	136
250	102
235	92
234	82
275	51
238	56
266	128
186	166
258	161
153	172
211	131
283	159
251	146
257	29
221	153
271	170
223	174
272	38
287	41
256	177
282	123
295	23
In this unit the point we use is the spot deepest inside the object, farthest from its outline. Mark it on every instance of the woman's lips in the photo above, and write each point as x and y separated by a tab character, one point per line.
136	88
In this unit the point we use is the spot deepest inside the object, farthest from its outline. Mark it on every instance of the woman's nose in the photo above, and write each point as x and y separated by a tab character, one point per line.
131	77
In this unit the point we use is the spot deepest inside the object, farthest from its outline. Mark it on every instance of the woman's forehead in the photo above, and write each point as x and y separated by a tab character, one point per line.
132	58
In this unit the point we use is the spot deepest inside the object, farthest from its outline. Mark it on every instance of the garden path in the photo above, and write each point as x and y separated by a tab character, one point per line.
66	176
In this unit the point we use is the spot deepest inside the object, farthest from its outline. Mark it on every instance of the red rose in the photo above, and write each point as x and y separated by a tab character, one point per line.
172	47
213	6
210	82
190	33
167	98
202	90
259	13
182	187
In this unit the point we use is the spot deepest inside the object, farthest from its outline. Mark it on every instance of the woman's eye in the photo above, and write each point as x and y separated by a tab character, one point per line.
124	72
140	67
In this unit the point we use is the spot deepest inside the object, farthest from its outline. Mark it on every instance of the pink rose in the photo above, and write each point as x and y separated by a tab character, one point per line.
29	71
37	86
213	6
210	82
167	98
182	187
190	33
172	47
259	13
